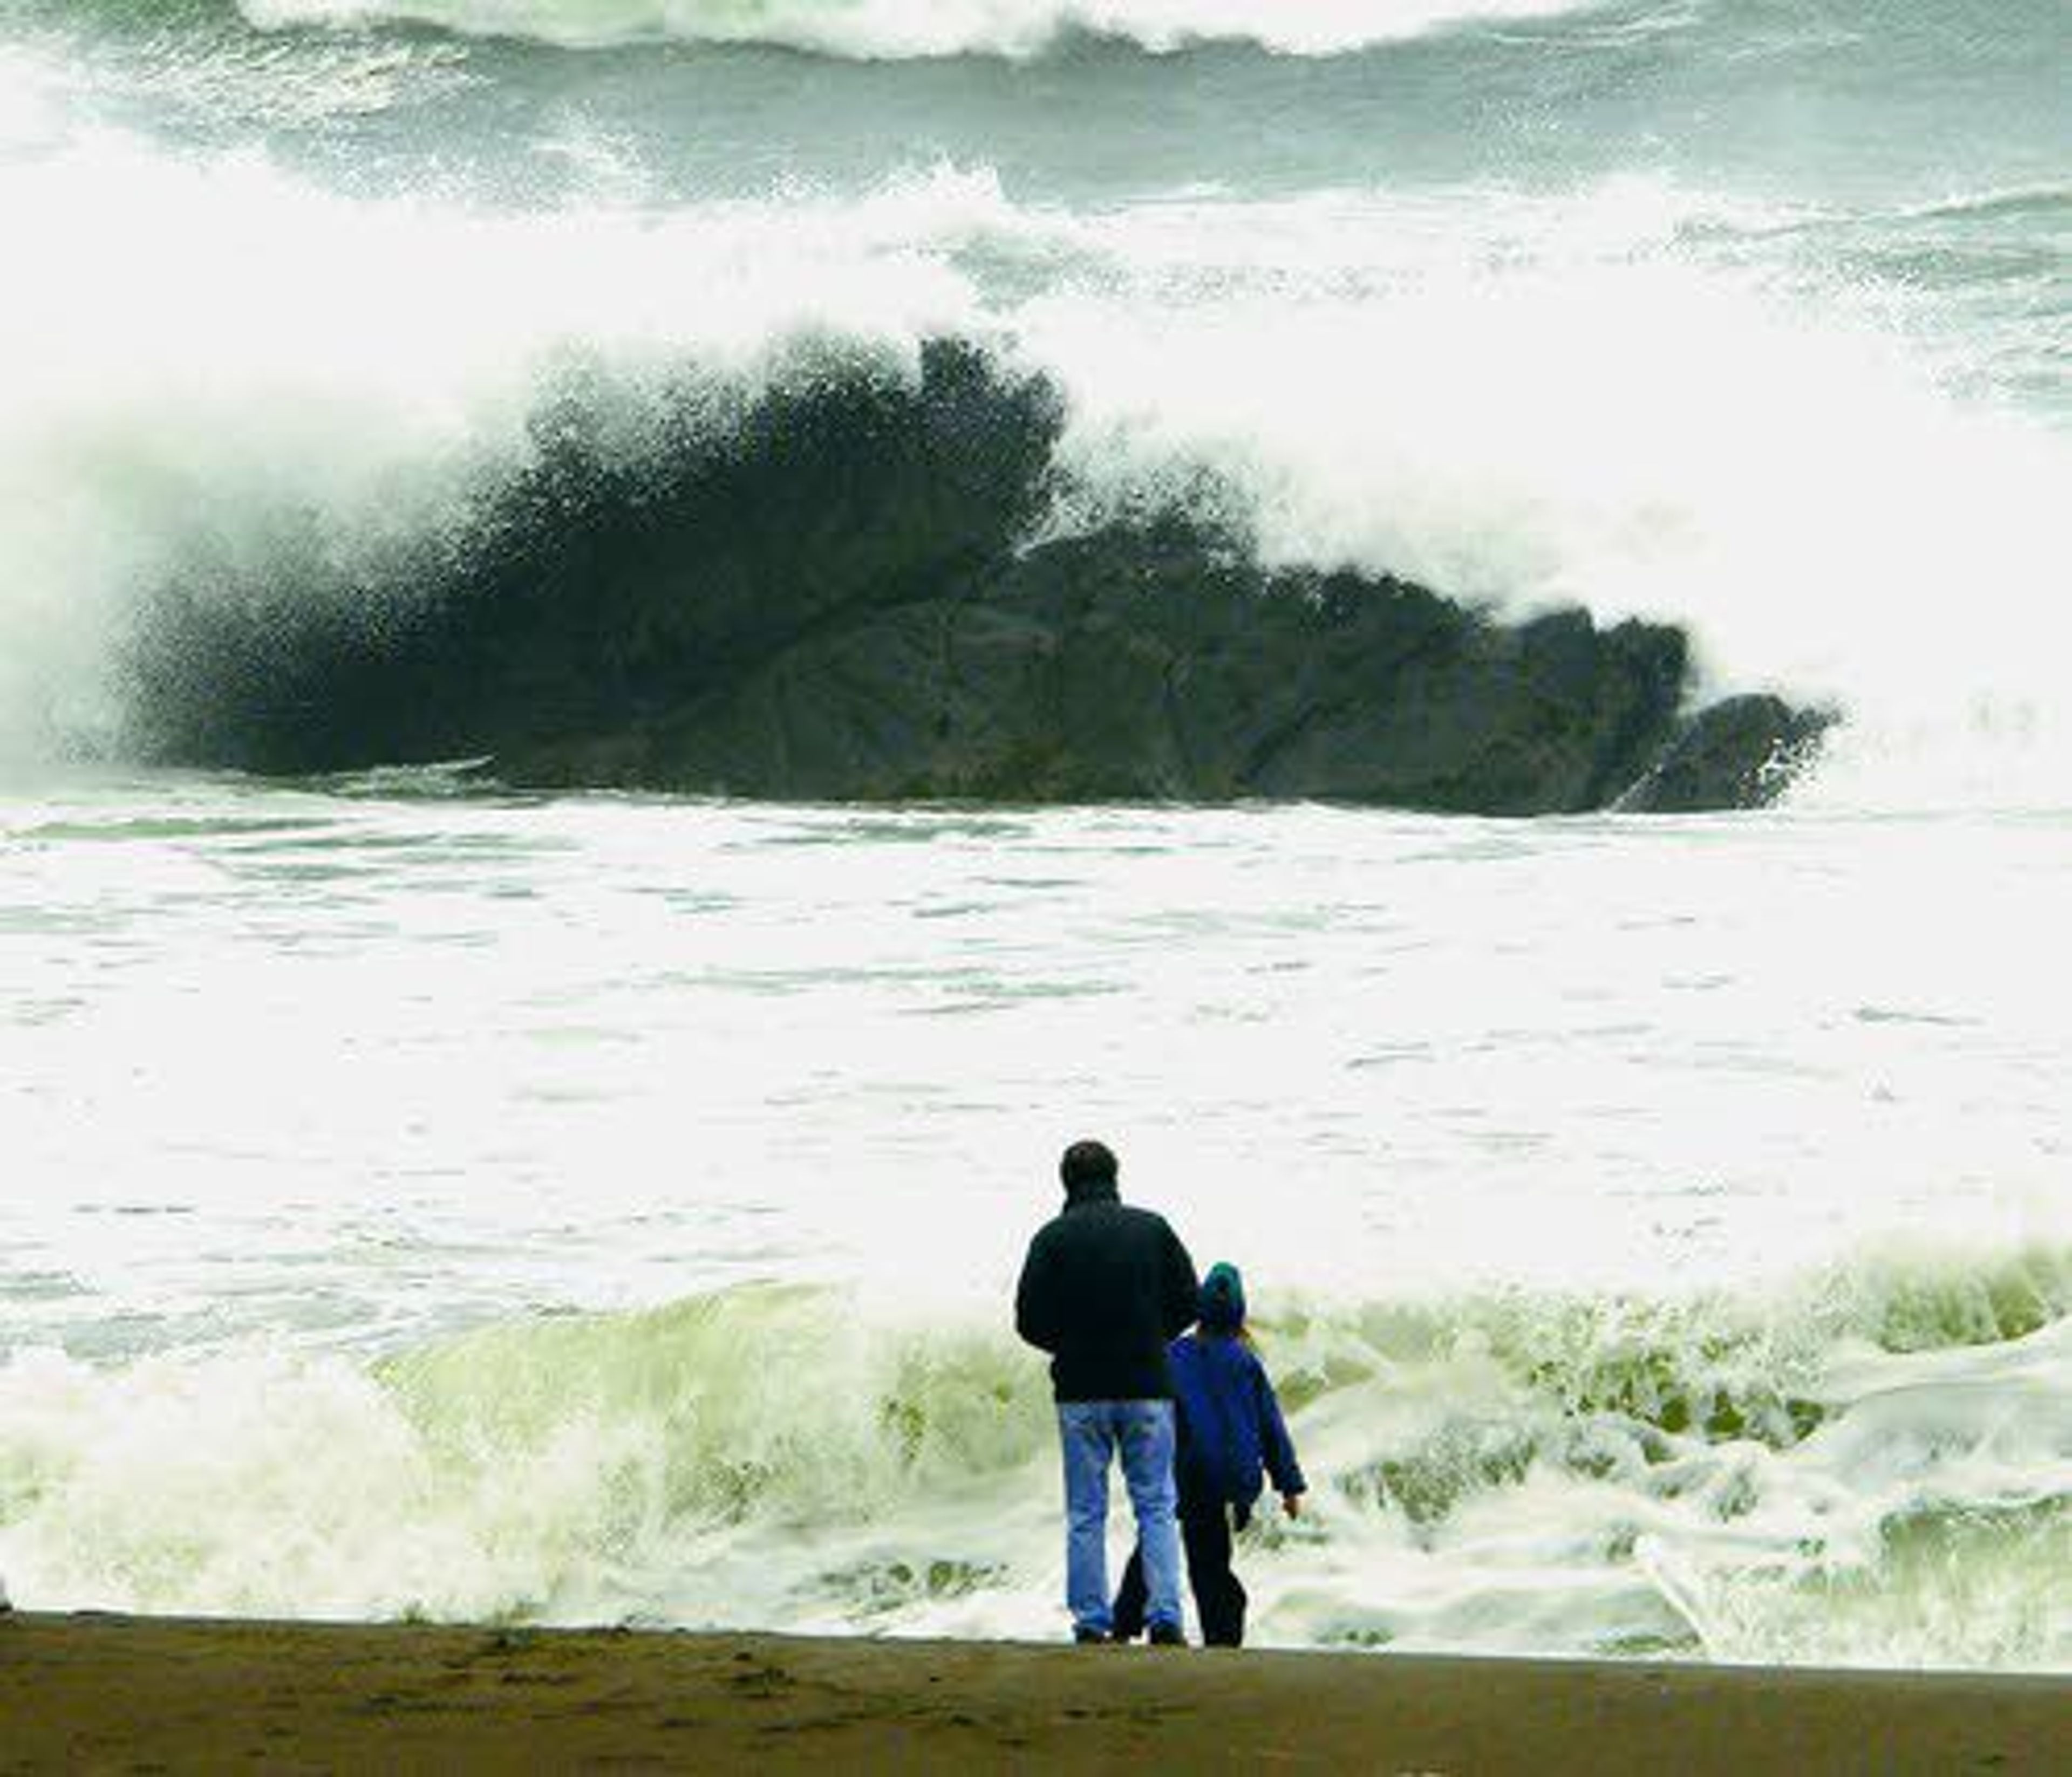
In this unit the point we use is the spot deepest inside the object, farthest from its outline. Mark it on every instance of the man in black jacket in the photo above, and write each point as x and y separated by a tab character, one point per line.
1104	1290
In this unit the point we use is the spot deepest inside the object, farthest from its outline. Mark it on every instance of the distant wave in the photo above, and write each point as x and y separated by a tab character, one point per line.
894	29
2025	202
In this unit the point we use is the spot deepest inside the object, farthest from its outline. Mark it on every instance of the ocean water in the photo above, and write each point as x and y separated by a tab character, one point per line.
423	1200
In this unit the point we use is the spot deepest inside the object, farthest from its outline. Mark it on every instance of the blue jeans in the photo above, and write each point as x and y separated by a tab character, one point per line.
1092	1432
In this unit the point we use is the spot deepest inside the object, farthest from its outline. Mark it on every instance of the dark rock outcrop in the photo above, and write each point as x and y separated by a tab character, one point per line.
1740	753
829	596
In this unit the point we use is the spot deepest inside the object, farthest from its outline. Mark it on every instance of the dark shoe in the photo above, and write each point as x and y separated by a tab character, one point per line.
1167	1634
1089	1637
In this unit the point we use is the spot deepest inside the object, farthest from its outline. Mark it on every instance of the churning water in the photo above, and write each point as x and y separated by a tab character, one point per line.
420	1200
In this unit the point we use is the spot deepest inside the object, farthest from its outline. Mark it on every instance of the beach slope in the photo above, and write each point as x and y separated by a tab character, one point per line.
113	1693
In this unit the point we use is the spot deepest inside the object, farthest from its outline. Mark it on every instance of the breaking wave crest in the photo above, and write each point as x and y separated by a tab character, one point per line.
1812	1473
898	29
1596	415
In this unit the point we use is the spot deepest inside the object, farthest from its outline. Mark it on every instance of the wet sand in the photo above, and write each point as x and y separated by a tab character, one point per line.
105	1694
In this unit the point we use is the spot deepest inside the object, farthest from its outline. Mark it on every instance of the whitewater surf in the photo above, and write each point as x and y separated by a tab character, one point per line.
439	1190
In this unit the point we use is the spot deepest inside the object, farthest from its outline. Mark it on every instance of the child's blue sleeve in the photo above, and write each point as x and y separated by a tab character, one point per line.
1276	1446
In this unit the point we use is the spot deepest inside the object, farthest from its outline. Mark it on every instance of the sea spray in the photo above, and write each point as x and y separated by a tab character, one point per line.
1503	1470
1633	426
313	369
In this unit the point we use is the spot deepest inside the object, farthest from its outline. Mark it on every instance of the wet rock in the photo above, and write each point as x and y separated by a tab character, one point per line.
1740	752
831	595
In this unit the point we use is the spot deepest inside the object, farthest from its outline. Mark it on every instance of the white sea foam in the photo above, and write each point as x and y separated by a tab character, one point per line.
1784	1476
889	29
1565	1159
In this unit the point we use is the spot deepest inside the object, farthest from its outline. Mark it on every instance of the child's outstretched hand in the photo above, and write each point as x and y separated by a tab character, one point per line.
1292	1505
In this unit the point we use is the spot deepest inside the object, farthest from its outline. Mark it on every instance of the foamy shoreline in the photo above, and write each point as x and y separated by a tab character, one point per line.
109	1692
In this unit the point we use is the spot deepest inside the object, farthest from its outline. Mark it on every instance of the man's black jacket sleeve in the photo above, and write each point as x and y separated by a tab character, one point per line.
1035	1314
1181	1295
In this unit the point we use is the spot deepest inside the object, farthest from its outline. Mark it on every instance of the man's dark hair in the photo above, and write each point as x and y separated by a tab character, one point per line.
1086	1163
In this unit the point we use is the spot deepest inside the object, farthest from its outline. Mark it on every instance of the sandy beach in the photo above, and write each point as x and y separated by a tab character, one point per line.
107	1693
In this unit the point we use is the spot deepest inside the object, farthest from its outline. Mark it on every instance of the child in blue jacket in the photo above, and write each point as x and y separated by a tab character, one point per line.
1230	1429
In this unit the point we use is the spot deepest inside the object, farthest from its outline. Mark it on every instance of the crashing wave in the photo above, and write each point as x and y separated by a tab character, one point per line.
833	592
901	29
1811	1472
